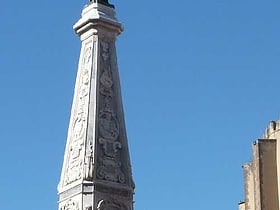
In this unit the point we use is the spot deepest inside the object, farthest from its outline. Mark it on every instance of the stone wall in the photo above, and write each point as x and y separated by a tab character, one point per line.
261	182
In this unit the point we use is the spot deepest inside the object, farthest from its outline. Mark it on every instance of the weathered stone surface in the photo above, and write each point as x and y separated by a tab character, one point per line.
249	186
261	175
96	171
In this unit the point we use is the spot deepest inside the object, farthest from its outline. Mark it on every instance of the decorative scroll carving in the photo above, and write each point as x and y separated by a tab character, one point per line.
87	55
110	147
79	123
109	127
70	205
109	170
109	164
110	205
106	79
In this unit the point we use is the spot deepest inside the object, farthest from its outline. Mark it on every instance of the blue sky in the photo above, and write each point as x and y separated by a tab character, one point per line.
200	82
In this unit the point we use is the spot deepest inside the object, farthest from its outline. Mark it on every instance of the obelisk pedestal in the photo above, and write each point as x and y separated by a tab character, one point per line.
96	171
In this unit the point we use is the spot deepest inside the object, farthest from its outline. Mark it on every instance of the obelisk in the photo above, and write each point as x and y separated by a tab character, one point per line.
96	172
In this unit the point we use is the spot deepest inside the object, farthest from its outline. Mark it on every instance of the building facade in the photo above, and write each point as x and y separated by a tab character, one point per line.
261	180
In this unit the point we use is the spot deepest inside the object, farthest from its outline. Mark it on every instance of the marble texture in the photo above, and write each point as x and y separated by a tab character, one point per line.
96	172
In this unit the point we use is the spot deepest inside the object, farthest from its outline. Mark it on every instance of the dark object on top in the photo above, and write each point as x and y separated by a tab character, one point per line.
104	2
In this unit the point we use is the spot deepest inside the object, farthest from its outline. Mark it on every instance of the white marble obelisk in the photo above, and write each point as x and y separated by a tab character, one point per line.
96	171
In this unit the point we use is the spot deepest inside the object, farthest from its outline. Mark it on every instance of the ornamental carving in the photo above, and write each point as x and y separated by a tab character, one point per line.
110	170
87	55
70	205
109	164
79	122
110	147
106	79
75	163
108	126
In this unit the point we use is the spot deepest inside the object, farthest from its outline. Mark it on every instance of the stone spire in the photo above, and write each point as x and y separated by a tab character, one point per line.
96	171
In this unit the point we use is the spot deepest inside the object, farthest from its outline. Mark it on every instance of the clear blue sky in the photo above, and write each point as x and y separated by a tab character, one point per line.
200	82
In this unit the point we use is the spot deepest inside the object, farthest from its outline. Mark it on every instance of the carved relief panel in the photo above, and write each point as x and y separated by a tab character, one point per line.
109	162
70	205
78	124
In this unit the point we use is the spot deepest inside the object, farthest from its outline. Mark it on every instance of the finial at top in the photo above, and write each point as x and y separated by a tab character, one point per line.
104	2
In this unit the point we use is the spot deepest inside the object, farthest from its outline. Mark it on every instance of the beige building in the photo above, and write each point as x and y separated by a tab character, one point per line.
261	181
